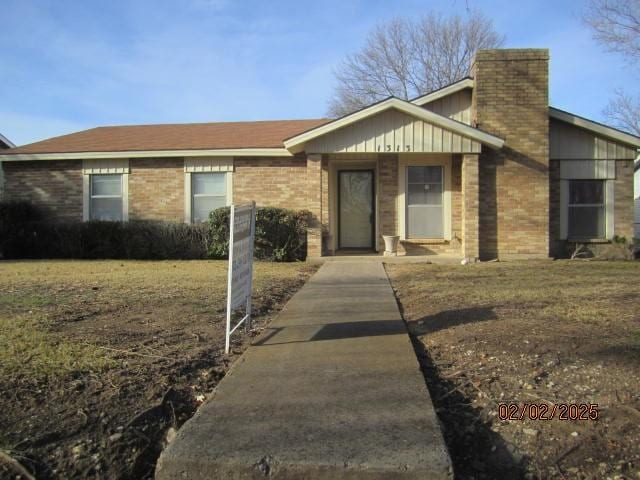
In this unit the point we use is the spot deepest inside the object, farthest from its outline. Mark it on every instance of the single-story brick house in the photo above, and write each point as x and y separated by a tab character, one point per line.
482	168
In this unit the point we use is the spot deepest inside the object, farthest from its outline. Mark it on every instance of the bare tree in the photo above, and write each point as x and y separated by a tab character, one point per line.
616	25
624	112
406	58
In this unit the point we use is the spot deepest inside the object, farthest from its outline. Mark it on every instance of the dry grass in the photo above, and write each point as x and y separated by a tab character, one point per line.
35	294
86	346
530	332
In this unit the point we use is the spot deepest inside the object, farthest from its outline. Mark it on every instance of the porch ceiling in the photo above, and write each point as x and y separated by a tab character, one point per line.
393	126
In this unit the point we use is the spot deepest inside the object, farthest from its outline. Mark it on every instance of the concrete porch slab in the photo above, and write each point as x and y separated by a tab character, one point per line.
435	259
331	390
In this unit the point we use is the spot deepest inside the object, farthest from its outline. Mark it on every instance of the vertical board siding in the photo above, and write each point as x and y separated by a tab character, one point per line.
588	169
456	106
393	131
568	142
105	165
208	164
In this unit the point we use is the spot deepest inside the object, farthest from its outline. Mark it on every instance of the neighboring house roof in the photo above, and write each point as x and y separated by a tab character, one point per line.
454	87
250	136
296	142
5	142
595	127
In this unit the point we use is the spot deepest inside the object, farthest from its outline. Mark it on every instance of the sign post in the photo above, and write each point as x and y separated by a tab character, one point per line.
242	227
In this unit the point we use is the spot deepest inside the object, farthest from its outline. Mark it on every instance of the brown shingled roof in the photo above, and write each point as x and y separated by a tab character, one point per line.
186	136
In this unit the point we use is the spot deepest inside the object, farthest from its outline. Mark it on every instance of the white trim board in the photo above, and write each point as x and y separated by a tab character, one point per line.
297	143
242	152
440	160
444	91
581	122
6	141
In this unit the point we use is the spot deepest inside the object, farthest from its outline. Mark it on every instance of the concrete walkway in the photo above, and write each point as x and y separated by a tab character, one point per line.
331	390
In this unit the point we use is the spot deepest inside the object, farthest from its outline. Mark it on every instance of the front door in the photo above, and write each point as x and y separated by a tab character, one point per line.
355	209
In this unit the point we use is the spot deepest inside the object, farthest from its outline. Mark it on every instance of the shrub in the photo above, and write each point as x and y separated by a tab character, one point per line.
619	248
23	234
16	227
280	234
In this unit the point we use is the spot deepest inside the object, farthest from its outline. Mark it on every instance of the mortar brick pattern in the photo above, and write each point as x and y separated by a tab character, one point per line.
54	186
511	100
470	206
274	182
388	195
314	205
623	215
556	246
156	189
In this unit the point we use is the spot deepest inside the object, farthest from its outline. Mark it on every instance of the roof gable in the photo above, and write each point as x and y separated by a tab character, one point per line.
403	127
444	91
5	142
618	136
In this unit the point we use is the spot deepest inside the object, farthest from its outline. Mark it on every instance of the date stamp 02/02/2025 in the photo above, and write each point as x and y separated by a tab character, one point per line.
544	411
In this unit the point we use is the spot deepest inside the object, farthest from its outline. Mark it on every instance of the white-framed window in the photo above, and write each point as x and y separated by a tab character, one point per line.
586	209
208	192
587	199
105	189
425	201
106	201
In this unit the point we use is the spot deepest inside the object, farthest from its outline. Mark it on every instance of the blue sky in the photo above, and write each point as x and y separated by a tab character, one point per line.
69	65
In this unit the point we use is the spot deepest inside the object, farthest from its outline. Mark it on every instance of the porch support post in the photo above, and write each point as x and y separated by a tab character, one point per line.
314	205
471	207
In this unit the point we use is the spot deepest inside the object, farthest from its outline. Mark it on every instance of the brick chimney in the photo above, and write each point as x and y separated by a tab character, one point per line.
510	100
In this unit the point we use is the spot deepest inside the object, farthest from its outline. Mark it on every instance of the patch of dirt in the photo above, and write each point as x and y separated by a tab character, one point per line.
541	334
113	424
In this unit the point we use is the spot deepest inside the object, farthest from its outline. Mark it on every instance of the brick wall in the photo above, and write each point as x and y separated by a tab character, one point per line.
456	199
556	246
54	186
470	206
156	189
623	199
274	182
511	101
313	198
388	195
325	195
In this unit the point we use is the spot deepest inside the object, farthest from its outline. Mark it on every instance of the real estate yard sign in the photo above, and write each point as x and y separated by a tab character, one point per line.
240	280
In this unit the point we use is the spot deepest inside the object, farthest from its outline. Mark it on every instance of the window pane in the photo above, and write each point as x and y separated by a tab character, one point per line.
425	194
586	192
106	185
424	202
209	183
106	209
415	174
430	174
587	222
425	221
202	206
433	174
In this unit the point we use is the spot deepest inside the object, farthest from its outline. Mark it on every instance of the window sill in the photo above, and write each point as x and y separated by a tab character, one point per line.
588	240
425	241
